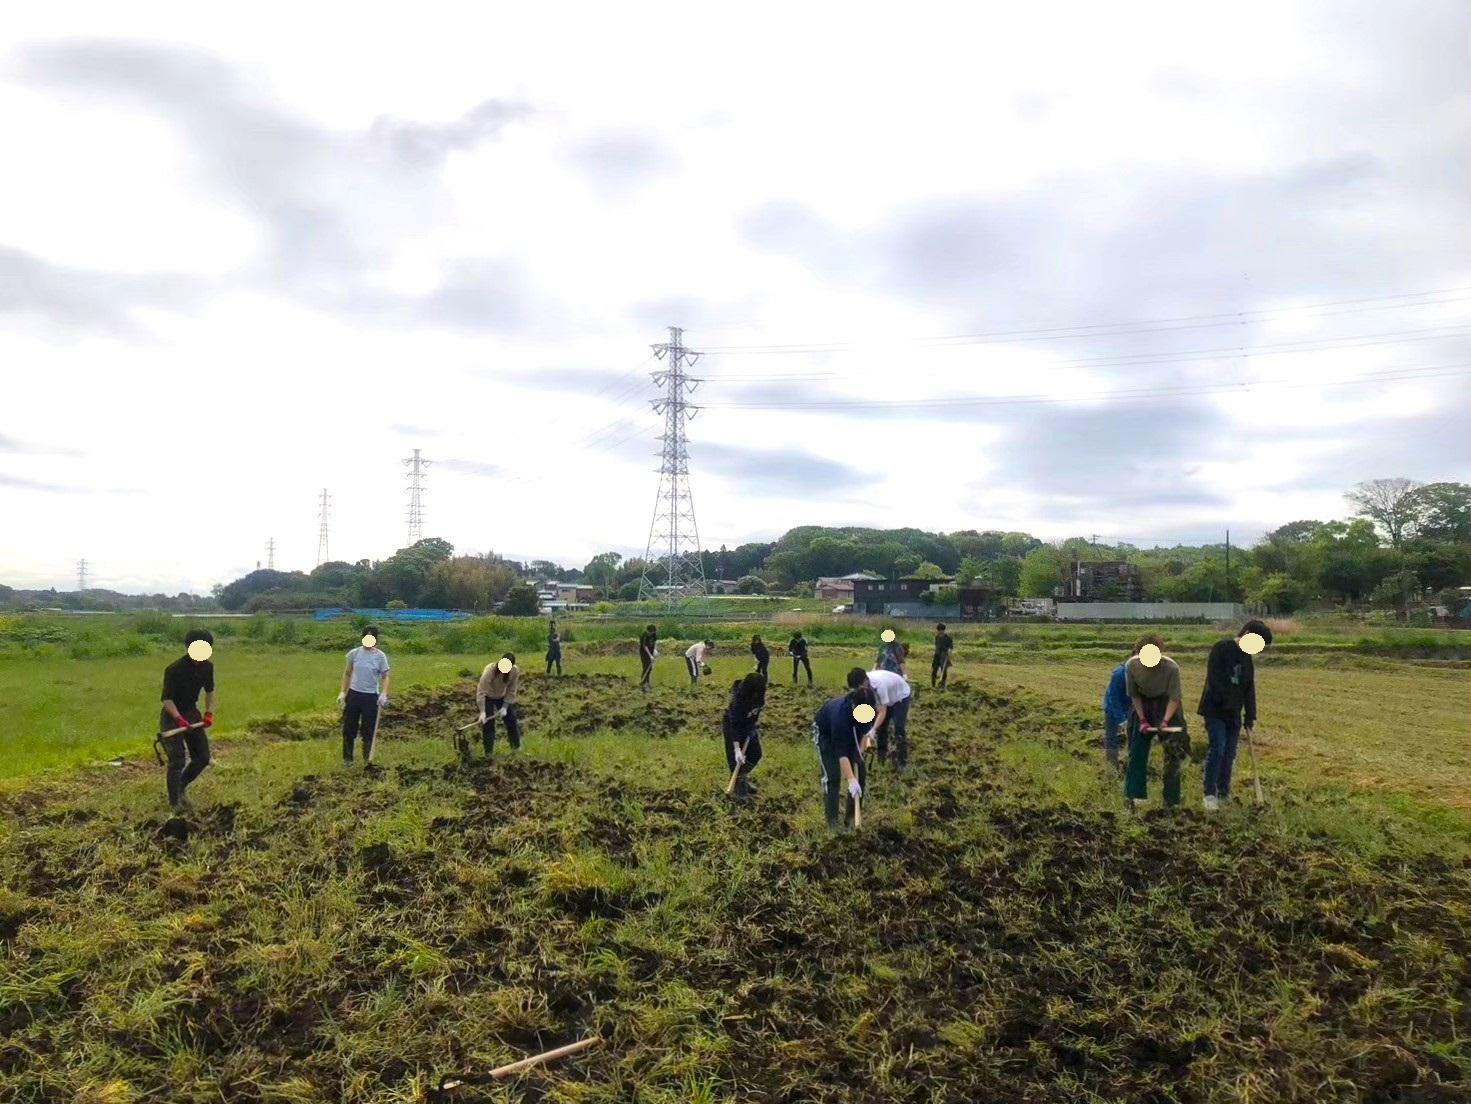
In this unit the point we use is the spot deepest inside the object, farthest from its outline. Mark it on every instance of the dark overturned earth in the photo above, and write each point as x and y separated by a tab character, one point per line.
977	941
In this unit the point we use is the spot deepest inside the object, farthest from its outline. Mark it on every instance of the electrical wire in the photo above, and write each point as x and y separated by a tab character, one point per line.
1101	329
1130	393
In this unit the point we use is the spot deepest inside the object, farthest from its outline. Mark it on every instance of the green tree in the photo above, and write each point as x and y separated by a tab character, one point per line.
1041	572
929	570
750	584
968	571
907	563
1442	511
1278	592
520	601
1005	575
601	571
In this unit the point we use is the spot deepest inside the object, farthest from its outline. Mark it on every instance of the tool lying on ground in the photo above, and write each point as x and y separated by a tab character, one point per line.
1256	777
501	1073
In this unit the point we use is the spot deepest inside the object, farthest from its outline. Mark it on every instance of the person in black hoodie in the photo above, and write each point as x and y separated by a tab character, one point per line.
648	648
742	734
763	657
798	648
1230	690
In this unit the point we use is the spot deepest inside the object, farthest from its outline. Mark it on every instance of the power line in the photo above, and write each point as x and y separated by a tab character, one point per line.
1079	396
1102	329
673	523
416	475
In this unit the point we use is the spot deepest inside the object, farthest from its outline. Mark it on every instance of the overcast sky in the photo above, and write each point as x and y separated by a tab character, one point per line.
251	251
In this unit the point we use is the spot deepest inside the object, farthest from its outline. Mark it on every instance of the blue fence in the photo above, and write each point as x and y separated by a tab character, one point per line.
392	615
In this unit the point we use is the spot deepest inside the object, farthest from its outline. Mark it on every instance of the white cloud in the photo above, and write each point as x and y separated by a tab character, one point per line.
232	274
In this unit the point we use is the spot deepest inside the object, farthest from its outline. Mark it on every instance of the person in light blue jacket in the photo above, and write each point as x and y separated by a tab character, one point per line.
1116	707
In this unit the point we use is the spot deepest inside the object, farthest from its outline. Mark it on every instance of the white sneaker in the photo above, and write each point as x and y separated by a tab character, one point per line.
1211	803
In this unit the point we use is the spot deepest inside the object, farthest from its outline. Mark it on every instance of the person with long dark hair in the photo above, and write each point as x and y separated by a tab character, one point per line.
763	657
648	650
742	731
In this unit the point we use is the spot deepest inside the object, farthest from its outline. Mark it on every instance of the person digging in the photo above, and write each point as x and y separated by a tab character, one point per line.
763	657
554	650
183	730
495	699
940	664
838	731
694	659
741	729
362	695
1230	690
648	651
894	695
797	648
1153	683
1116	707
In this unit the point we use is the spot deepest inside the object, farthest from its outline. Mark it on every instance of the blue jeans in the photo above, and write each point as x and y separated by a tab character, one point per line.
1221	754
1112	738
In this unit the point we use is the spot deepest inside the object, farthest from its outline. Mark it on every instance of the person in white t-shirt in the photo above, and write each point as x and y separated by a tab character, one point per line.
694	658
894	695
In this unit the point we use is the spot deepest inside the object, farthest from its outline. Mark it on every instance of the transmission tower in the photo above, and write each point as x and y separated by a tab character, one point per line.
416	476
672	531
81	574
324	508
271	554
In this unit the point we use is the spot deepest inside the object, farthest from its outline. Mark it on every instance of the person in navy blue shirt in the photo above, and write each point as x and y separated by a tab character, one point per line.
1116	708
742	732
838	736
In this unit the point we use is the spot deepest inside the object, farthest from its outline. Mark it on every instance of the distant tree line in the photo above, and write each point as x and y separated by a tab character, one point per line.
1405	542
98	600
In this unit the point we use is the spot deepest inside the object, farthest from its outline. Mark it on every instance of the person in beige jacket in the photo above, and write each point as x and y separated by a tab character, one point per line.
495	696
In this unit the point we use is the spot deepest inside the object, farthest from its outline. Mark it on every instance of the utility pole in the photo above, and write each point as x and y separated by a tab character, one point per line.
271	554
416	475
1230	596
82	574
673	526
324	506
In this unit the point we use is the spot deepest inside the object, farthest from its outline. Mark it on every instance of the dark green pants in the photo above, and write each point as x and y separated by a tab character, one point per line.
1175	745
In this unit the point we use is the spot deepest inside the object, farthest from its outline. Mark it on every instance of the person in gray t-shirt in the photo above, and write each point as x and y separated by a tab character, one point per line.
364	692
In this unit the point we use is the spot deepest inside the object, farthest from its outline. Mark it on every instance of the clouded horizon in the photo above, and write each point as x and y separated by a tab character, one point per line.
1148	273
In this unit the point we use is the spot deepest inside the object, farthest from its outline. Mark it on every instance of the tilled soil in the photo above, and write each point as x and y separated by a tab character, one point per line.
357	938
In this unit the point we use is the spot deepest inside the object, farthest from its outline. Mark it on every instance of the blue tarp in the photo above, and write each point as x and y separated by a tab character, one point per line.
392	615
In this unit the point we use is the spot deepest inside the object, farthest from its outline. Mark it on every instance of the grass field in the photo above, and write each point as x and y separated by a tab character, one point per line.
999	930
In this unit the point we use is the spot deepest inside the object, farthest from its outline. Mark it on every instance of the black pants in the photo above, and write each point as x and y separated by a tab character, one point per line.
648	672
191	747
834	788
802	659
513	725
694	670
940	666
753	750
898	718
554	657
762	666
359	715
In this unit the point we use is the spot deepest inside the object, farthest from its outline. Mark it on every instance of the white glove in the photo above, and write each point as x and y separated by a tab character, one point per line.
482	717
382	700
501	712
740	758
855	791
342	697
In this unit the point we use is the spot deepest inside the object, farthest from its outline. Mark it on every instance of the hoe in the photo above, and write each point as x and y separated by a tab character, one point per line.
501	1073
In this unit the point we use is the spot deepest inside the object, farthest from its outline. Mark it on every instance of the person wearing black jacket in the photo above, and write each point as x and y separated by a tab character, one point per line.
1230	690
838	736
742	734
183	679
798	648
763	657
648	648
940	665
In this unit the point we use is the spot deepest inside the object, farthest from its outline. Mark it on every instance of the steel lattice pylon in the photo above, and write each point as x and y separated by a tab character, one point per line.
673	531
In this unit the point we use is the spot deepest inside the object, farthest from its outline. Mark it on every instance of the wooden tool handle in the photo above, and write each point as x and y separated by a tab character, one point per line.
502	1072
